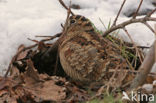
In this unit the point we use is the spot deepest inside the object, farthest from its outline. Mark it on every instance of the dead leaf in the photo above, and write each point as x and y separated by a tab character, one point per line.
23	54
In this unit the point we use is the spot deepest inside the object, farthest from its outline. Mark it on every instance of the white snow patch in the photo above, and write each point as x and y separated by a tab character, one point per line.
148	87
154	82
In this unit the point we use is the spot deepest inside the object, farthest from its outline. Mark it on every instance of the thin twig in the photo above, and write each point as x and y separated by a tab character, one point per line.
149	27
49	38
62	26
118	13
149	14
131	21
32	40
52	37
43	36
134	16
63	4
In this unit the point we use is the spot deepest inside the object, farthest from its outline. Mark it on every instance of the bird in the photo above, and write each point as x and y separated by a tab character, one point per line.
85	55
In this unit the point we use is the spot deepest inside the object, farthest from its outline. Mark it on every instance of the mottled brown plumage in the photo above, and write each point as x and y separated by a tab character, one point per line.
85	55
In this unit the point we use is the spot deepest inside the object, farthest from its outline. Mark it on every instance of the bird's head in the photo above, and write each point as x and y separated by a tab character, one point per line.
79	23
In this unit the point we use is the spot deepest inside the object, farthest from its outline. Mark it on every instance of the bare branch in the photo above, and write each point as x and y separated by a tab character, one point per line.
118	13
131	21
137	9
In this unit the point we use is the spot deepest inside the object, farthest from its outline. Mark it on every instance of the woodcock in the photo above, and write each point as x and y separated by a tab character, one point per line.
85	55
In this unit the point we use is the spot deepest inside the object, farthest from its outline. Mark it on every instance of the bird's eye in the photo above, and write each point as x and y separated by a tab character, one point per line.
72	21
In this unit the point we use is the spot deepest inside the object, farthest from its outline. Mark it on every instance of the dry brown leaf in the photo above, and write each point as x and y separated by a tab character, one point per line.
48	90
76	94
31	71
5	83
9	90
150	78
14	71
30	76
23	54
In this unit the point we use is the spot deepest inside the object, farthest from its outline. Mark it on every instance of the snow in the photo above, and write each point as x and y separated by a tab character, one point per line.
148	87
22	19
